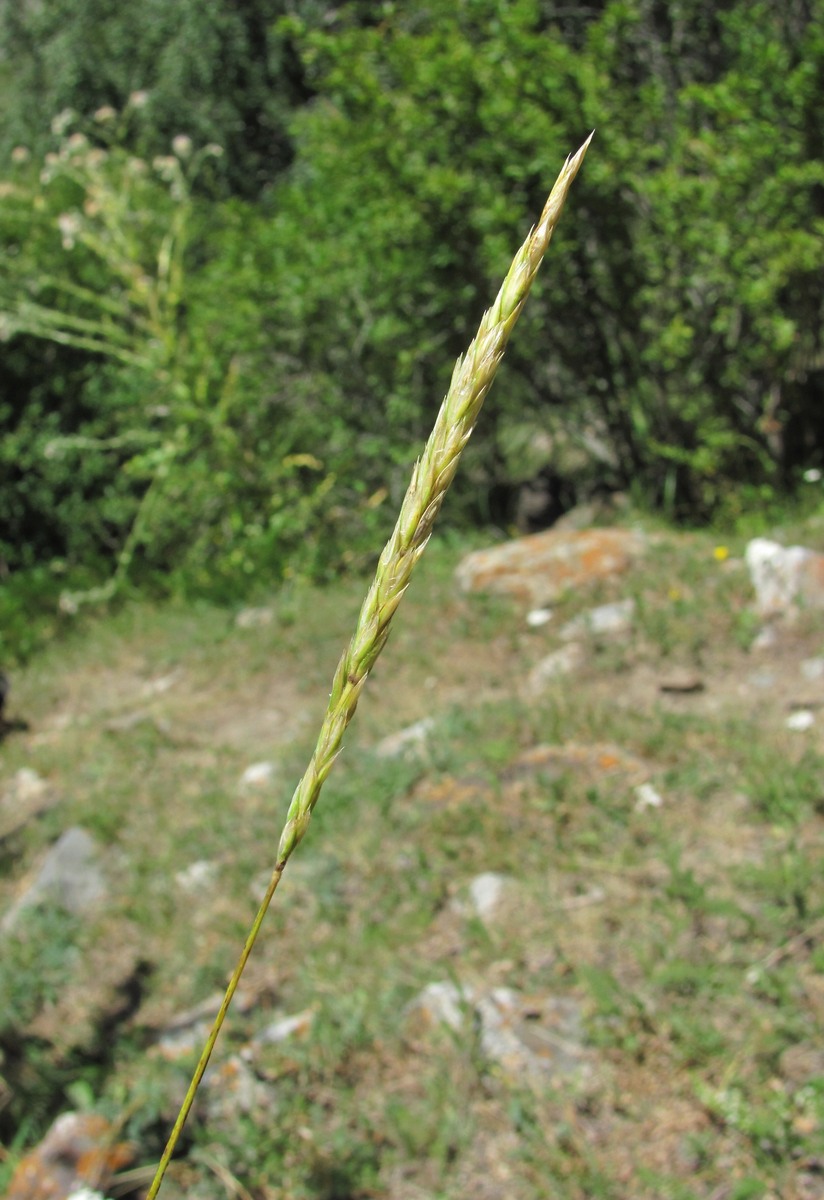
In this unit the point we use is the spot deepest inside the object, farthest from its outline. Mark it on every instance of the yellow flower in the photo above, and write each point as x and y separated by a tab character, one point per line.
721	553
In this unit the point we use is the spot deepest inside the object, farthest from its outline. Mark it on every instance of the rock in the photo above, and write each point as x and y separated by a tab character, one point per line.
28	786
133	720
197	876
522	1035
784	575
405	739
554	666
486	896
537	617
765	639
257	775
683	683
439	1004
254	618
647	797
26	797
231	1089
186	1032
596	760
603	621
69	877
79	1151
800	721
528	1037
539	568
281	1030
163	683
813	668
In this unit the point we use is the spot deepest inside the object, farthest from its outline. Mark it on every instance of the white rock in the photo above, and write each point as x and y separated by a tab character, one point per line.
254	618
257	775
197	876
232	1089
28	785
647	797
156	687
441	1004
538	617
606	619
284	1028
783	574
765	639
801	720
405	739
487	892
813	668
555	665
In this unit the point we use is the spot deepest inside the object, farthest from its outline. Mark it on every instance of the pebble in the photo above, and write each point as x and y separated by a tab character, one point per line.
605	620
538	617
254	618
257	775
556	665
405	739
801	720
647	797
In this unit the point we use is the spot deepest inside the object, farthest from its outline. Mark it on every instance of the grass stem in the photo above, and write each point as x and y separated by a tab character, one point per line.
431	477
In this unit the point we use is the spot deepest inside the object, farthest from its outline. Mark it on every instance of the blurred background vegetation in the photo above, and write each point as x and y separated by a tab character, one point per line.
244	240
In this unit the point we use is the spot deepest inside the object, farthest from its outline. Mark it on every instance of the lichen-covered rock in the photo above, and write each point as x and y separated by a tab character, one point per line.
783	576
539	568
70	877
79	1151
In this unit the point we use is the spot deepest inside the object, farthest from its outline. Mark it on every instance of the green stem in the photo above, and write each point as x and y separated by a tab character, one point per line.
203	1061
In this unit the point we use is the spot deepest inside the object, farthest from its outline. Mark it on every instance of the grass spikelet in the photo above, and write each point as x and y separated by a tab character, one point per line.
431	477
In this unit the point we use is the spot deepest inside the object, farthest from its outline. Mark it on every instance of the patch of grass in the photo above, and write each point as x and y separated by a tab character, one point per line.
689	934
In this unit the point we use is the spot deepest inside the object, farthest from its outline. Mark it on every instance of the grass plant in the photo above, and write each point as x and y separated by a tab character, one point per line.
431	477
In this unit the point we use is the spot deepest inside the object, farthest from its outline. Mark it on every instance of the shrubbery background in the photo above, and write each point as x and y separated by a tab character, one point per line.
243	244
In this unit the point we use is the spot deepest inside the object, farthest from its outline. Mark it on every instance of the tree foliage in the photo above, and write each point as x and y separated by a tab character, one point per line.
214	70
676	350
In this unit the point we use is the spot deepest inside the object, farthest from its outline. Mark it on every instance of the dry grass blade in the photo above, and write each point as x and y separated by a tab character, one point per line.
431	477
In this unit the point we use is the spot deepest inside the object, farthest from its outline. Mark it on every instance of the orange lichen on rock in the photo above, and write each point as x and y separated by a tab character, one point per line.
539	568
79	1150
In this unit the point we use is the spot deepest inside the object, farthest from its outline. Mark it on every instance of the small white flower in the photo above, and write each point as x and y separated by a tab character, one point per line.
69	225
813	475
105	113
166	166
182	145
20	154
139	99
62	122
